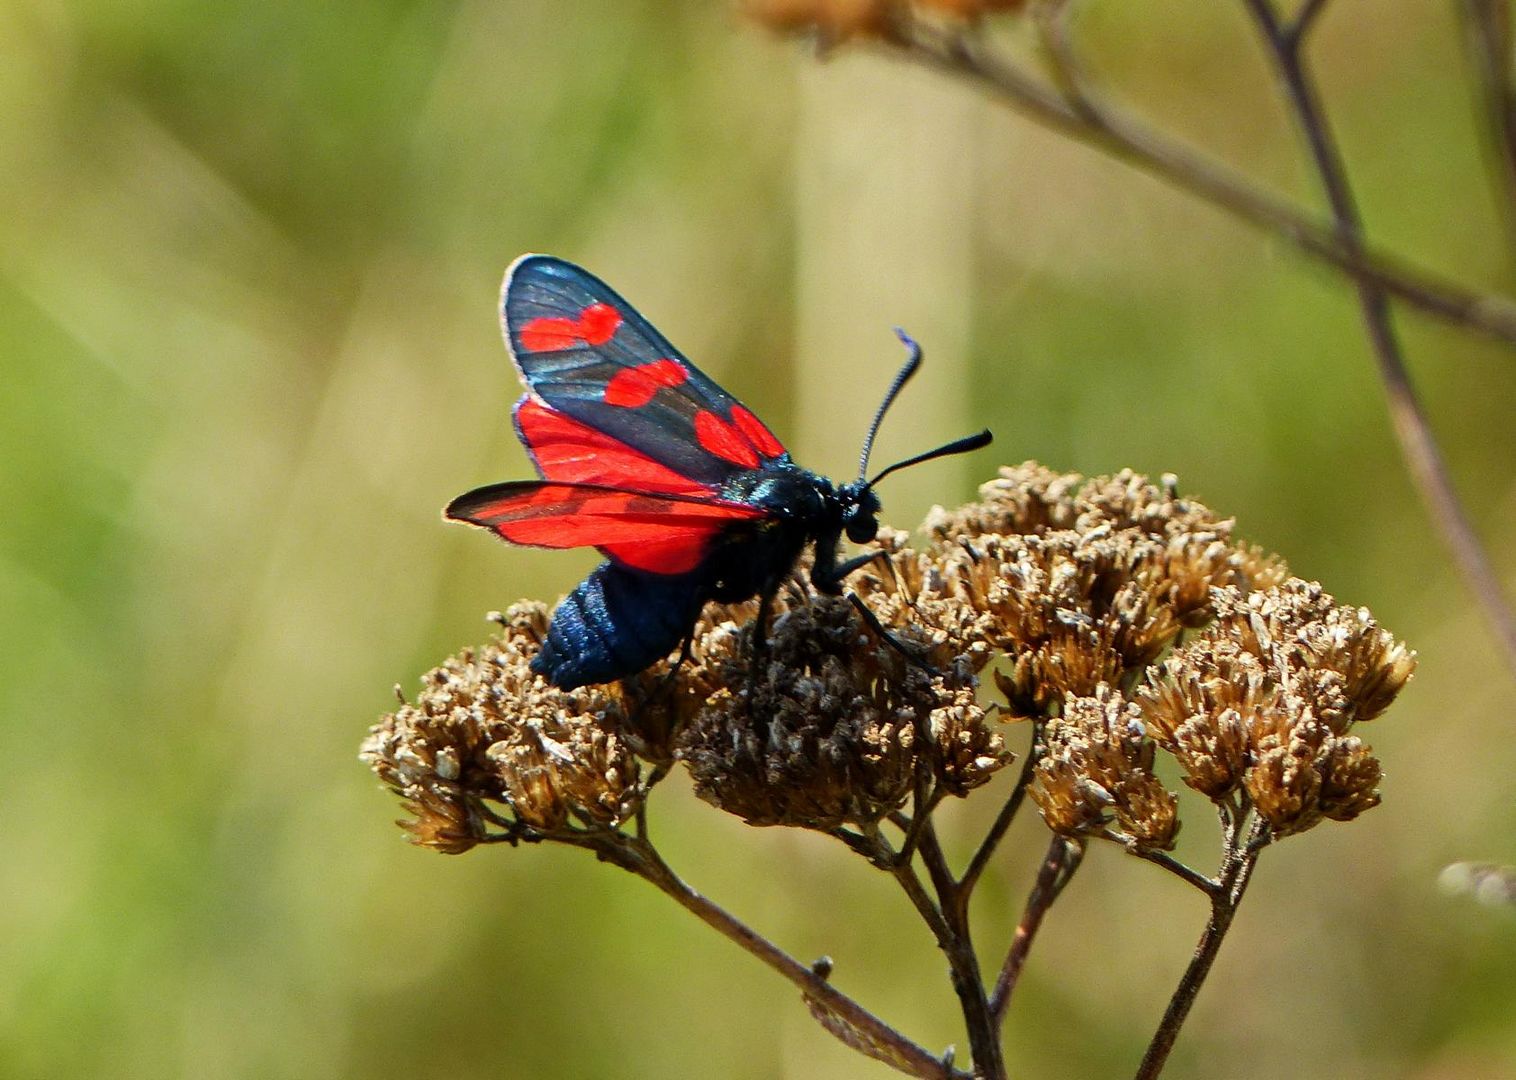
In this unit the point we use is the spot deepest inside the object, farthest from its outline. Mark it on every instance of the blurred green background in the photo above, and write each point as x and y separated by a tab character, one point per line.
247	284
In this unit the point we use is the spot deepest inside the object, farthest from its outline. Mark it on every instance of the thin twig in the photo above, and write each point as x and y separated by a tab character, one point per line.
1418	446
937	865
924	800
1063	63
886	1043
1304	18
1058	866
963	962
1488	30
1100	126
1223	910
1002	822
1188	875
653	779
904	871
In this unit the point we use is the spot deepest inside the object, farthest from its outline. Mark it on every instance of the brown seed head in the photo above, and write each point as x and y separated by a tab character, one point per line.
1098	770
1073	588
1264	697
832	728
485	730
1087	581
1200	706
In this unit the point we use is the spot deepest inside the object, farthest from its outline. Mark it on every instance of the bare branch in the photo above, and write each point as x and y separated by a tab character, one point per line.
1002	822
1188	875
847	1019
1418	446
1487	26
1223	909
1100	126
1058	866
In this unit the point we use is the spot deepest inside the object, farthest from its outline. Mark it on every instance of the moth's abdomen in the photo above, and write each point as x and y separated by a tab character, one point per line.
617	622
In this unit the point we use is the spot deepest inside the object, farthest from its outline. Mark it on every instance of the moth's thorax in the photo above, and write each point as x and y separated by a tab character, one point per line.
786	491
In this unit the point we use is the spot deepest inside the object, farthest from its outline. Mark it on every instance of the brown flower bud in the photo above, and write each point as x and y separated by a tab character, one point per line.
1088	581
1265	696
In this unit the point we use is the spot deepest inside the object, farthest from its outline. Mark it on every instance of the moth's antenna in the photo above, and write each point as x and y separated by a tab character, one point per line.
912	362
957	446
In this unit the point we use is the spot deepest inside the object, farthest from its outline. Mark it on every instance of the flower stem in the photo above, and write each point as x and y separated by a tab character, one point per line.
1058	866
1234	882
1003	820
876	1037
1188	875
963	962
1488	28
1238	858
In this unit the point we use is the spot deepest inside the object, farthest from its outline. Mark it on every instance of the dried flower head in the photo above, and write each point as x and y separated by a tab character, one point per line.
1264	697
1098	771
1087	582
1200	706
834	726
1341	660
487	732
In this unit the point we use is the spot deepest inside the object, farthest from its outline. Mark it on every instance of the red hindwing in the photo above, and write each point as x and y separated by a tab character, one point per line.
661	533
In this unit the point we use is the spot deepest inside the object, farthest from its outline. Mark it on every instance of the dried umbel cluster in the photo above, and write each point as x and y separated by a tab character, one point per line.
1122	620
488	749
1098	772
838	723
1084	583
1263	699
1091	582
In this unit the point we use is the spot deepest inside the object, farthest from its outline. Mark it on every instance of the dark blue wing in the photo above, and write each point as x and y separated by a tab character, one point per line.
585	352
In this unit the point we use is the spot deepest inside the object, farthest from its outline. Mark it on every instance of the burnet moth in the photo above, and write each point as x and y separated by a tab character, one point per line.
685	492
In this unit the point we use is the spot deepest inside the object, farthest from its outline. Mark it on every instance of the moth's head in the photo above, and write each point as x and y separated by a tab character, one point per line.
860	511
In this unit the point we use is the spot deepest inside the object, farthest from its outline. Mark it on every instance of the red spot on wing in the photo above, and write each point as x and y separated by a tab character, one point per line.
726	442
753	430
596	325
548	335
570	451
635	386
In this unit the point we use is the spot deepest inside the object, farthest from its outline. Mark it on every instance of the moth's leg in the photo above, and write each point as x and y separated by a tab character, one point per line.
759	651
666	681
857	562
913	655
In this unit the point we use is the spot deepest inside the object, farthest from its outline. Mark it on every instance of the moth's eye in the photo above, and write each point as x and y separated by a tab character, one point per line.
861	528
